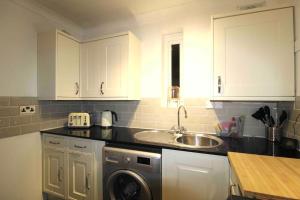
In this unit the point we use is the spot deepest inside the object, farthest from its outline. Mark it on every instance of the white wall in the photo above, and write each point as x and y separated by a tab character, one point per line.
297	27
20	168
18	48
194	19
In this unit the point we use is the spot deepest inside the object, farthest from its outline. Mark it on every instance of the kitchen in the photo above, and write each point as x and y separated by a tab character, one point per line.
155	25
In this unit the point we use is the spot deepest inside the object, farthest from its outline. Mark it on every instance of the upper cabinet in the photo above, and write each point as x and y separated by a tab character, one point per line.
58	66
252	50
102	69
110	68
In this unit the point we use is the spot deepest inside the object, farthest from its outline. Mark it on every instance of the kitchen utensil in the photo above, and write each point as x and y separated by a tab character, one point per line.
260	115
273	133
272	121
268	115
283	117
107	118
79	120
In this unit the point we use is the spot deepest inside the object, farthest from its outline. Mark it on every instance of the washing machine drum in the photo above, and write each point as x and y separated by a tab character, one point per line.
127	185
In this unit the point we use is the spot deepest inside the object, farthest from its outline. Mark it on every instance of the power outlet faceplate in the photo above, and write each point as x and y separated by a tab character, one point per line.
24	110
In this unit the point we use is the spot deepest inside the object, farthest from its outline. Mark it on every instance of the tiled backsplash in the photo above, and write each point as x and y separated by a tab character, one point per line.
49	114
290	132
147	113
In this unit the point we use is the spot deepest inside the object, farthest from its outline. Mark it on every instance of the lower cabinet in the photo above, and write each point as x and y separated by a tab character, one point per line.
54	166
80	176
194	176
72	168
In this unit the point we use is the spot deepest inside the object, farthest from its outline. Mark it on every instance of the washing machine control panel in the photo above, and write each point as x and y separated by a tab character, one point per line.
143	160
132	158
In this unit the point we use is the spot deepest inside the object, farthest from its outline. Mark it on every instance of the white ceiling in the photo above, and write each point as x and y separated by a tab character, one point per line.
92	13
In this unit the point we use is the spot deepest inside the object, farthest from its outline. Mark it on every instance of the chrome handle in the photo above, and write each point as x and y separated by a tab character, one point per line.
101	88
79	147
219	85
60	178
232	191
231	188
87	180
77	88
53	142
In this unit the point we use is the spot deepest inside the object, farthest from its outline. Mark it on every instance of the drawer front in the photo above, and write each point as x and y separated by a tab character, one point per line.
81	145
54	141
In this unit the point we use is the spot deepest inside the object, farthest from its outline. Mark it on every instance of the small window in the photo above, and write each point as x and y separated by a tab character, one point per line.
175	65
172	55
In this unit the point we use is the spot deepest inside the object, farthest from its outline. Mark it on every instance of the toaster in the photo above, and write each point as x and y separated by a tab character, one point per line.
79	120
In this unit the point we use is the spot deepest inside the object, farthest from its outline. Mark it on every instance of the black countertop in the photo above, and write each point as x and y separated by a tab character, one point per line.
125	136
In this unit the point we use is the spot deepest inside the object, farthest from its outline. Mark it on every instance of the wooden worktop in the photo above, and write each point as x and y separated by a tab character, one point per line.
266	177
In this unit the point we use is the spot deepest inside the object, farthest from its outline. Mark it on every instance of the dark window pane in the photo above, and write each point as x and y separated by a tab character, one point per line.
175	64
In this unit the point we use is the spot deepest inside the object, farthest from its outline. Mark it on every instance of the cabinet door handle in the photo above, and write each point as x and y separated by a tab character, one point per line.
87	180
60	174
51	142
219	84
101	88
230	189
79	147
77	88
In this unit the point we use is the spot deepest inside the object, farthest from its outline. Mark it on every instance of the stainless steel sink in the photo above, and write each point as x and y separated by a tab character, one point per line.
198	141
188	140
155	136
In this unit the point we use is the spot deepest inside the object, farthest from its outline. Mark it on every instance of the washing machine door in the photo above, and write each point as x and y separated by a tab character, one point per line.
127	185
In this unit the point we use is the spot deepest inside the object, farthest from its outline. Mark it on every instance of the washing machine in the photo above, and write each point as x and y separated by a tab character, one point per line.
130	174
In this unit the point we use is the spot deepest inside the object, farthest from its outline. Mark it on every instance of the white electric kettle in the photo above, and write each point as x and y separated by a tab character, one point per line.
107	118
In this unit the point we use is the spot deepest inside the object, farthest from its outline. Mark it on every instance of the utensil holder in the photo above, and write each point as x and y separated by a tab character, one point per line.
273	133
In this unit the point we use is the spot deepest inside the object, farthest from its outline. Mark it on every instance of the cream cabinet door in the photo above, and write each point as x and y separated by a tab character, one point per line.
53	173
194	176
104	71
80	176
114	75
93	61
254	54
67	67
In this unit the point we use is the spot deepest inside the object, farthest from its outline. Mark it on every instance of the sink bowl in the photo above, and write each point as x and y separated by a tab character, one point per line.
188	140
155	136
198	141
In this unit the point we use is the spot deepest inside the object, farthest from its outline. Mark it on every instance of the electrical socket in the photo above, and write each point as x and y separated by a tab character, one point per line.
24	110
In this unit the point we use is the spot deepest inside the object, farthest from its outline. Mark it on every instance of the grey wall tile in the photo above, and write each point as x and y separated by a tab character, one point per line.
30	128
9	132
4	101
48	124
62	122
48	108
40	117
75	108
59	115
23	101
9	111
4	122
14	121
